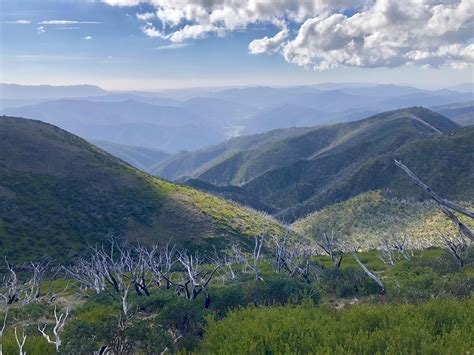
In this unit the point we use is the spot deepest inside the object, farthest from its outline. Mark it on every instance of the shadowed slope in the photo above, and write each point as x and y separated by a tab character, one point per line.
59	193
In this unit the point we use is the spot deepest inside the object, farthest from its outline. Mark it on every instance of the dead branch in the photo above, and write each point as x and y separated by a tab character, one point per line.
369	273
445	205
441	201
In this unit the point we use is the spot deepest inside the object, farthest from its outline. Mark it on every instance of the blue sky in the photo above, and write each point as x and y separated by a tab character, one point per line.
96	43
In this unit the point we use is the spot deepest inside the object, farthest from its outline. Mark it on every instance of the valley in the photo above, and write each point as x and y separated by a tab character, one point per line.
236	177
152	244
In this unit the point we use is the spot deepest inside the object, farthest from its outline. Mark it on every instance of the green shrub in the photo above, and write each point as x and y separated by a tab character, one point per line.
442	326
274	290
346	283
35	344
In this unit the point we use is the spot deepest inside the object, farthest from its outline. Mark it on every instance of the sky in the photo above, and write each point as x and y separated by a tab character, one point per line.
160	44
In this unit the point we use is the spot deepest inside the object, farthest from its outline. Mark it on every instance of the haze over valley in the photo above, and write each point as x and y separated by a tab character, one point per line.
236	177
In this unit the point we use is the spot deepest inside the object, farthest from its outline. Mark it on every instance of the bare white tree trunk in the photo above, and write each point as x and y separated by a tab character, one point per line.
11	284
256	257
60	321
445	205
369	273
331	246
4	325
20	341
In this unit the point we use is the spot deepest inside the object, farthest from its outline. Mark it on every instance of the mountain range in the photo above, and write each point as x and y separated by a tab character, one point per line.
60	194
299	171
187	120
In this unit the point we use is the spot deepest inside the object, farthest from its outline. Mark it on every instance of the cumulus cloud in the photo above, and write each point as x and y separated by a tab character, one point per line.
268	45
327	33
151	31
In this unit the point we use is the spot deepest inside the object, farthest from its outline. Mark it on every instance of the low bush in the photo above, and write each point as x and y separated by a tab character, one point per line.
442	326
273	290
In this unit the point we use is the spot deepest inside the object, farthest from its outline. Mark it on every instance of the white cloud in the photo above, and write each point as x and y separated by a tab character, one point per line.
390	33
18	22
40	29
380	33
88	37
173	46
146	16
268	45
151	31
66	22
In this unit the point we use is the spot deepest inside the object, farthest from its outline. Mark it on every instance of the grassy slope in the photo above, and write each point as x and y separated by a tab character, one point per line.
374	215
59	193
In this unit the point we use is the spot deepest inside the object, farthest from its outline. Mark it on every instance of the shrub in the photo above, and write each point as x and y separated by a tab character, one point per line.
346	283
274	290
438	327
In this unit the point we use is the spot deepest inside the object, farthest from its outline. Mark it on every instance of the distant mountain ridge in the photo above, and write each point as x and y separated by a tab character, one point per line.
318	167
15	91
218	113
129	122
460	112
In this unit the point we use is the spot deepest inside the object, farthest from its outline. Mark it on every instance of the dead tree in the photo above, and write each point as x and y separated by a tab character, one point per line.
60	321
195	278
291	257
257	252
113	271
20	341
87	274
239	256
228	264
457	247
228	261
393	248
161	265
11	284
32	289
330	245
140	265
445	205
369	273
5	318
118	268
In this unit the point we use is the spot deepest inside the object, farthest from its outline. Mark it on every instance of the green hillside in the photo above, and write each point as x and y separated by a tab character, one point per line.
59	193
307	172
374	215
361	139
445	162
190	164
